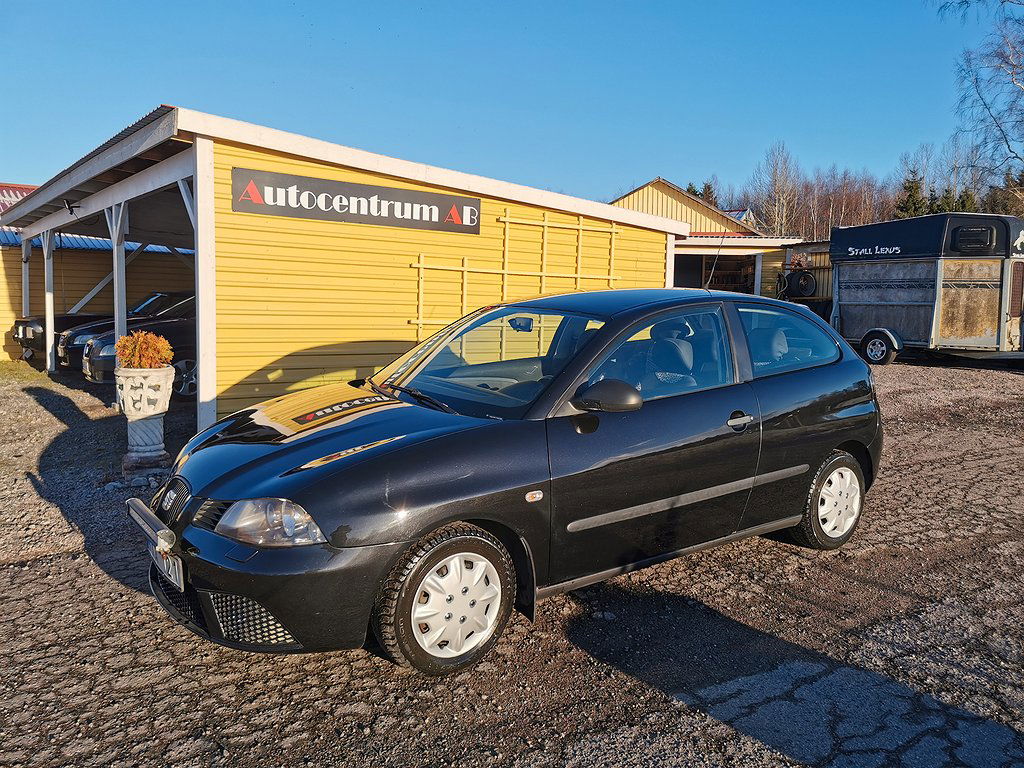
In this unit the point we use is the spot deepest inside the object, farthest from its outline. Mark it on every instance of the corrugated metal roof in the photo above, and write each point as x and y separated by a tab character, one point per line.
12	193
9	236
157	113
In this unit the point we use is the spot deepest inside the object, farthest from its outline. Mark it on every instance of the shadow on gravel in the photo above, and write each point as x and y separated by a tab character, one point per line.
801	703
85	456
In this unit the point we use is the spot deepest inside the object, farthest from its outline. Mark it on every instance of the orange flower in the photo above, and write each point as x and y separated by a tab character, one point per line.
142	349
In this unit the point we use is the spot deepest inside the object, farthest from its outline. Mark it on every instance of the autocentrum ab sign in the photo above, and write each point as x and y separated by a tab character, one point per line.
281	194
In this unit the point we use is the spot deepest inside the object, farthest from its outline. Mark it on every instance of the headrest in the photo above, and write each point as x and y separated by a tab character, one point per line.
672	355
767	344
670	329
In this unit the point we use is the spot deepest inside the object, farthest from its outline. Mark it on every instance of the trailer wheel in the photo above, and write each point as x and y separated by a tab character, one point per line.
877	348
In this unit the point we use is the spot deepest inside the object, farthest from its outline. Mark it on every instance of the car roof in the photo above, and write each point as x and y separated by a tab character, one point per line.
615	302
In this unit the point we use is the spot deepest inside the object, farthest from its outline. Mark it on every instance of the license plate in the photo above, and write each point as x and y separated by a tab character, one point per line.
170	567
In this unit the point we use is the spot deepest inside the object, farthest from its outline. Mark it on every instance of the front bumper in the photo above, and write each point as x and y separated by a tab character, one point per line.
98	370
277	600
70	356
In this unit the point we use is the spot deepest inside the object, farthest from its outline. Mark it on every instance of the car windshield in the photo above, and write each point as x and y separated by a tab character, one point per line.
156	303
183	308
493	363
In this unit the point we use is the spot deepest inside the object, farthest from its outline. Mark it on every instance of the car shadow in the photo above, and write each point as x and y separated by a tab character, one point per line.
75	467
804	704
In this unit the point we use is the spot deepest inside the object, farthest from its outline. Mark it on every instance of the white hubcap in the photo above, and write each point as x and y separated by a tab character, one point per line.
457	603
839	502
876	349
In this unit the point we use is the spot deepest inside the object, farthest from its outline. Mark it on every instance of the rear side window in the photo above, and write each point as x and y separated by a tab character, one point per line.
781	341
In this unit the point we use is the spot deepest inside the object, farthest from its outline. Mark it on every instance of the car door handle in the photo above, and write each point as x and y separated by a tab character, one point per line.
739	420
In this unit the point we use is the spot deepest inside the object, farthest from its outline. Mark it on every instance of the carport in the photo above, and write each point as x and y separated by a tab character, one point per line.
316	262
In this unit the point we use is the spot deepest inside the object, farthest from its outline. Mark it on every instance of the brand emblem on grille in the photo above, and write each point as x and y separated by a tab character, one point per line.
169	498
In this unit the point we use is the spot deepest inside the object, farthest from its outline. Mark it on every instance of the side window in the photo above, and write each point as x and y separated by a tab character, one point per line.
780	340
680	353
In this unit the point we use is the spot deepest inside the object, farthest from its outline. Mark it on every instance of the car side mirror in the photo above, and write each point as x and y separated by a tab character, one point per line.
610	396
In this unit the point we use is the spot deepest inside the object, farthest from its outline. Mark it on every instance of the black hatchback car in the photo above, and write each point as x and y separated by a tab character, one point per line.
525	450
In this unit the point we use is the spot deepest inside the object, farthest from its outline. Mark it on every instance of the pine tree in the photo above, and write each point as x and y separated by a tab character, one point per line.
967	202
708	195
1005	198
911	202
948	202
933	201
691	189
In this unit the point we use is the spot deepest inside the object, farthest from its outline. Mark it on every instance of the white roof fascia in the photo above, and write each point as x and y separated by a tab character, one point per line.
240	132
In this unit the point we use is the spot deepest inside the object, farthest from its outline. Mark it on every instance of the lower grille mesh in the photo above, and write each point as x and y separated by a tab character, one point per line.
186	603
243	620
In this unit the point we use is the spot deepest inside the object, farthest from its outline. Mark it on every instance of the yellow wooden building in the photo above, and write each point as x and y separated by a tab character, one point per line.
720	251
316	262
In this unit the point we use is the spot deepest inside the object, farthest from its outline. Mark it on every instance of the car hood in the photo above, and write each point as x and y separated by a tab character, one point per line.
278	446
96	327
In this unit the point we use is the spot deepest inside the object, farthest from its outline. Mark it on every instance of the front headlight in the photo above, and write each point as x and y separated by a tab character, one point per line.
269	523
109	350
81	339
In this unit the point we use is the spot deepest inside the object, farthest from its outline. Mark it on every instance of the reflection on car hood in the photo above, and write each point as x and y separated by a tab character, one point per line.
285	442
151	324
96	327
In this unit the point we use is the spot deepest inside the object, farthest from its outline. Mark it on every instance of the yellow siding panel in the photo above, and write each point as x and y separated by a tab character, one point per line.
661	199
302	302
75	273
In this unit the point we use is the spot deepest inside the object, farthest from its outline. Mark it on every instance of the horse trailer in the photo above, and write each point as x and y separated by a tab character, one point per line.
948	282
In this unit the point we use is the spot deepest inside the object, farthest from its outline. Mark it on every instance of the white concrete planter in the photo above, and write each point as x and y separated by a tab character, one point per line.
143	395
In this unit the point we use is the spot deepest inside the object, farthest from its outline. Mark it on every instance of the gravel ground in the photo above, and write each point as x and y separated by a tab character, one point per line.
904	648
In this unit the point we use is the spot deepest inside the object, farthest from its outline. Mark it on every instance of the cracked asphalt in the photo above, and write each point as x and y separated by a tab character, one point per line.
904	648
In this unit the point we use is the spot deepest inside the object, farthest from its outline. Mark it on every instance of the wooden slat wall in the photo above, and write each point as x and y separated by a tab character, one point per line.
75	272
302	302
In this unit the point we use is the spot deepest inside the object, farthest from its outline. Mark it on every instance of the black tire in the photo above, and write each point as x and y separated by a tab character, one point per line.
392	615
877	348
809	532
184	385
802	284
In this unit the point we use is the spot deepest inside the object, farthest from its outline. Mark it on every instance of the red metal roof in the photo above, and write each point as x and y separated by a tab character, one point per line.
12	193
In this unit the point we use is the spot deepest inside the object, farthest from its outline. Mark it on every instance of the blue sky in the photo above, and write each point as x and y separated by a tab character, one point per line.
586	98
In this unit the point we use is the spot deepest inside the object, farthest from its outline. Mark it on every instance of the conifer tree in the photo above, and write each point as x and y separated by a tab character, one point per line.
947	202
708	195
933	201
911	202
967	202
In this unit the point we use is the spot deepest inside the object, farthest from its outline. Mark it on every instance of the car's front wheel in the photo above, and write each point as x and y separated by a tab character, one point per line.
834	503
446	602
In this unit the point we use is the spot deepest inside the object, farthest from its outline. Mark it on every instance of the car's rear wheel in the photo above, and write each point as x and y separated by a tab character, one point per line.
446	602
834	504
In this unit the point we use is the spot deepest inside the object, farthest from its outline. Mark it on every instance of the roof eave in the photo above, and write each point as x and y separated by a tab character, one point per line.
154	128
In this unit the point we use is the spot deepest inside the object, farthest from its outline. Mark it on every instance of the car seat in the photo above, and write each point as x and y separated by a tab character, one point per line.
671	368
767	346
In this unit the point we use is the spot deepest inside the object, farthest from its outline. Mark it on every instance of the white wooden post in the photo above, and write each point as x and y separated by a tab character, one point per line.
26	257
758	271
51	358
117	223
206	285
